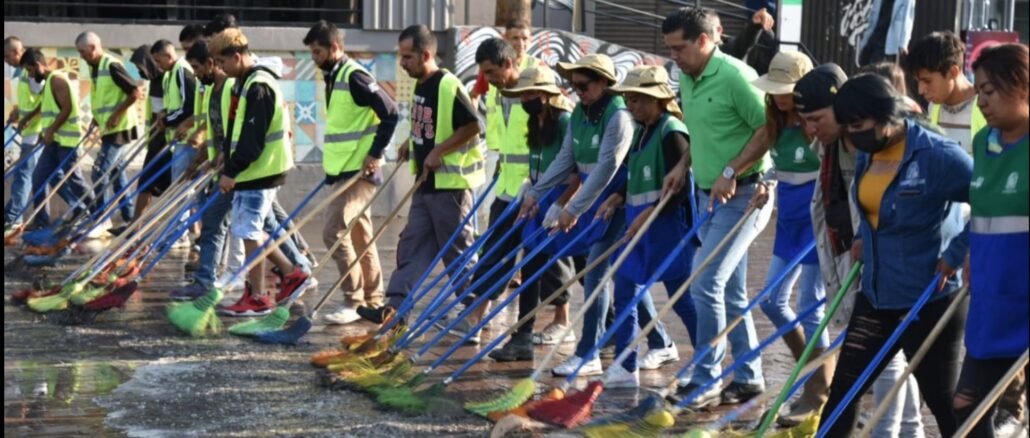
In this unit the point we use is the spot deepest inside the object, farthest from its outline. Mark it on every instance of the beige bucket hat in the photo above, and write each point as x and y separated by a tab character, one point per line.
650	80
785	70
540	78
601	64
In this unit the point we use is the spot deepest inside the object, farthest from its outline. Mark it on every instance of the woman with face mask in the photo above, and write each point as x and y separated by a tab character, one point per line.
908	179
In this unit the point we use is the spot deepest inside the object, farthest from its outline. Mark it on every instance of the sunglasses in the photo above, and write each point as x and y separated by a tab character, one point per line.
580	86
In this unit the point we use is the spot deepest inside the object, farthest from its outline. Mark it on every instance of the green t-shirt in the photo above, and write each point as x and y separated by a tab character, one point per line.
722	111
793	153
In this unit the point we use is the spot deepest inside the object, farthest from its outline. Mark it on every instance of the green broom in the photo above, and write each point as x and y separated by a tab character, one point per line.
90	293
274	321
197	317
55	302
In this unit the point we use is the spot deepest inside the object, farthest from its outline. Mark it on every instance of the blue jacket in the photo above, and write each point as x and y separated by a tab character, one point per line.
919	220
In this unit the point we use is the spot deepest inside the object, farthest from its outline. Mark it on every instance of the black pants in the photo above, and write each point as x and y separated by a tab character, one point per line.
553	278
869	329
978	378
495	283
164	179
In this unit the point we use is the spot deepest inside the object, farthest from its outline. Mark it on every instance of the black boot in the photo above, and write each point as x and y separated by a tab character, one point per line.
520	347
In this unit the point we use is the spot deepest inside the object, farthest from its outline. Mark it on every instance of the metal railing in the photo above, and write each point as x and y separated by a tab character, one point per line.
348	14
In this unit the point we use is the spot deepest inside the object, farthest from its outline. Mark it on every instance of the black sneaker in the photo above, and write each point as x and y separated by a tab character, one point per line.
518	348
735	393
708	398
377	315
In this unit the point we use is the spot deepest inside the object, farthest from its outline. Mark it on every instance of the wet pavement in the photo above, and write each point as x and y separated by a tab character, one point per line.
131	373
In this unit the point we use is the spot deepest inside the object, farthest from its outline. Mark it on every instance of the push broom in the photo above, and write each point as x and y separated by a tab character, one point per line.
277	319
292	334
9	171
913	313
574	409
993	396
198	317
10	235
415	394
914	361
809	348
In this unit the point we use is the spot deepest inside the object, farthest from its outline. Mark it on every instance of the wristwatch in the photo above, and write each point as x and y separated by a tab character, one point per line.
728	172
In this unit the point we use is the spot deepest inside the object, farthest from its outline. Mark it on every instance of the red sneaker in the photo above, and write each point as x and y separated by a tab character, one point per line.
249	304
292	286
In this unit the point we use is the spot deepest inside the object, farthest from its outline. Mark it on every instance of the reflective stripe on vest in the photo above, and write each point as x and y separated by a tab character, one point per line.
350	129
646	164
1000	224
586	136
27	103
796	178
510	137
69	133
106	96
463	168
495	123
276	157
172	101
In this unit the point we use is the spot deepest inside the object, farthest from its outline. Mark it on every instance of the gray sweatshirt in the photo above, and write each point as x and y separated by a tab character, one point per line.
615	144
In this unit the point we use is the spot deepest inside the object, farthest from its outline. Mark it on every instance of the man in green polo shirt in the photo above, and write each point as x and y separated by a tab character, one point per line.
726	119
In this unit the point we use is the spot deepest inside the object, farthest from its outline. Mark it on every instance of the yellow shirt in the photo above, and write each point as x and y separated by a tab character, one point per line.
882	169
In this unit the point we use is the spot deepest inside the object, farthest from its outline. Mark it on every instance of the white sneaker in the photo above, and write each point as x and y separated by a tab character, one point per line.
566	368
654	359
550	334
618	377
345	315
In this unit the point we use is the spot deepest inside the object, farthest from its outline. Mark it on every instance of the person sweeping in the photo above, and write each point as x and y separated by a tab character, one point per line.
259	157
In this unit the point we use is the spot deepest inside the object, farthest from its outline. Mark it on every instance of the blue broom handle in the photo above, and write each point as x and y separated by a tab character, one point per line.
456	279
182	230
769	288
46	183
415	334
913	313
624	313
511	297
272	236
14	134
120	166
409	301
22	160
740	361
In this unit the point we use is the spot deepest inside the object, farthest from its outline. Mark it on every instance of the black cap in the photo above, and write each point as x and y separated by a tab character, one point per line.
818	88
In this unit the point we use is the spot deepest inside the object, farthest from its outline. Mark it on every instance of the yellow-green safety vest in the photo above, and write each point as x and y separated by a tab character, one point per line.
106	96
976	122
495	125
511	141
69	133
226	102
349	129
27	103
171	100
277	157
463	168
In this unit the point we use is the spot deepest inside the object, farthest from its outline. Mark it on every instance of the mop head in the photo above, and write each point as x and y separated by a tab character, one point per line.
570	411
89	293
288	336
58	301
274	321
117	298
518	395
197	317
522	411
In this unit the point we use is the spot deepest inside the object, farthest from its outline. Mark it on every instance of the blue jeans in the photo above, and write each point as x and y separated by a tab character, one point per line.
811	290
21	183
72	190
594	319
720	292
109	157
642	315
181	159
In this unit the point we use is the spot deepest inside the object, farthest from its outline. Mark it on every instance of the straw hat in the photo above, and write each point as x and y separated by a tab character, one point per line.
653	81
540	78
785	70
600	64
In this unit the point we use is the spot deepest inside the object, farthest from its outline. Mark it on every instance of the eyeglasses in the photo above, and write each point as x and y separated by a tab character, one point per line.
580	86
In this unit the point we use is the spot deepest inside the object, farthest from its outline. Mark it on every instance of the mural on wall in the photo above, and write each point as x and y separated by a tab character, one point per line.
854	21
302	86
552	47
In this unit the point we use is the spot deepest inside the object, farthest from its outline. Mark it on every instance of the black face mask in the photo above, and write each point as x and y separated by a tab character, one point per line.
207	80
867	142
533	107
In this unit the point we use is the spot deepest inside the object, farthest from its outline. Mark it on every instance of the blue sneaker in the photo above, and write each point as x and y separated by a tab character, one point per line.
190	292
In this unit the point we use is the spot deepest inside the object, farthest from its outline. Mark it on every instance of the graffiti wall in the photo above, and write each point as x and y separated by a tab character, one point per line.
302	86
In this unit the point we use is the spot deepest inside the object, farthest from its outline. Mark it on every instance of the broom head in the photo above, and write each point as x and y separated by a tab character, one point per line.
58	301
648	406
90	293
197	317
23	295
273	321
570	411
288	336
36	260
354	340
518	395
523	411
40	237
324	358
11	236
116	298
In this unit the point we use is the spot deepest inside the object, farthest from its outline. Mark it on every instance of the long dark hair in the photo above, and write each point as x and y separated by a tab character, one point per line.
541	135
776	121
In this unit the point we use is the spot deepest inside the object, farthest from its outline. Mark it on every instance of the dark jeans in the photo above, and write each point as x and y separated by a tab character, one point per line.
492	284
72	190
978	378
556	275
868	330
164	180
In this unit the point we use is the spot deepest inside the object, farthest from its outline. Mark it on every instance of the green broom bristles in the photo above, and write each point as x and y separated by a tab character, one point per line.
90	293
197	317
408	399
652	425
55	302
518	395
394	376
273	321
